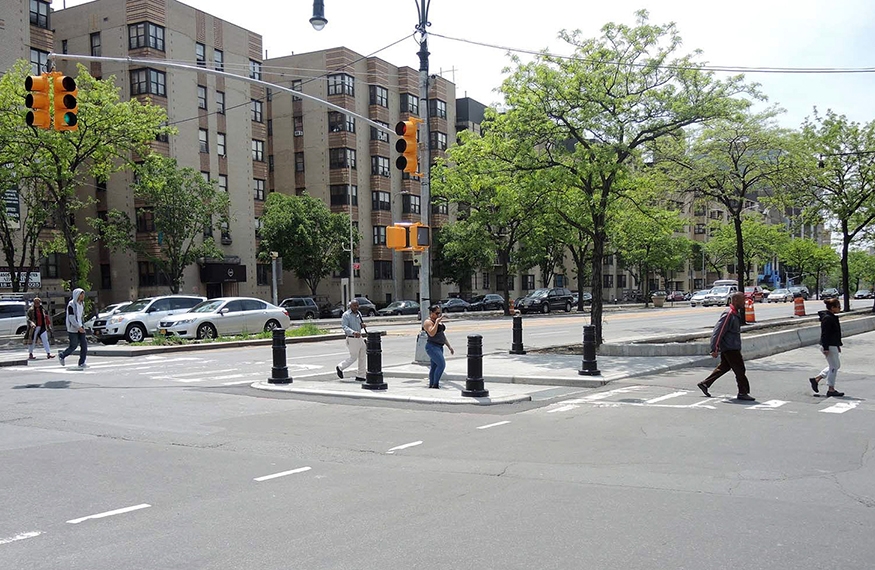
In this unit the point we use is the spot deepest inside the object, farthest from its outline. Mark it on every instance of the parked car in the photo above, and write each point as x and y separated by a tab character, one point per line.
224	316
587	298
546	300
800	290
831	293
698	298
366	308
719	295
754	292
399	308
779	296
676	296
107	312
455	305
488	302
301	307
863	294
13	317
140	319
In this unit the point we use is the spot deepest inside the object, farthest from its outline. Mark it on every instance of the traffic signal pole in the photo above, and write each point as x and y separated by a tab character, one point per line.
425	183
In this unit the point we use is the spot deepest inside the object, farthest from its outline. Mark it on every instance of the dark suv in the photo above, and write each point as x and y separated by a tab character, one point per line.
546	300
300	307
488	302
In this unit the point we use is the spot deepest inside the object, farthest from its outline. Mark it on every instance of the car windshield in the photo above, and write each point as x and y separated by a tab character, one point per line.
136	306
703	292
395	304
538	293
478	298
748	289
720	290
206	307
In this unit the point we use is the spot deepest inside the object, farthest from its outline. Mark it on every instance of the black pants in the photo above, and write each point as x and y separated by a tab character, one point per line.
730	360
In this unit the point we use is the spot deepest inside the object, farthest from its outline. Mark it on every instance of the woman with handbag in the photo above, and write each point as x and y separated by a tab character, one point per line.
434	345
39	325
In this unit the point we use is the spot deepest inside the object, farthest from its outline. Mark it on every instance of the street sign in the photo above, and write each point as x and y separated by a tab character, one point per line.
34	279
356	266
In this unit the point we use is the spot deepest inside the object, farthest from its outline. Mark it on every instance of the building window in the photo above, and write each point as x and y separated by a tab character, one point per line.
528	282
501	279
716	214
298	122
410	103
608	260
341	84
223	182
39	14
700	211
257	111
220	143
410	204
299	162
263	274
340	122
621	281
257	150
220	102
438	140
201	97
440	208
297	85
486	280
341	158
105	276
381	201
379	235
380	166
205	174
203	140
341	195
145	34
559	280
411	270
145	220
254	69
95	44
607	281
437	108
219	60
39	61
700	229
150	276
200	54
49	266
382	270
379	134
258	185
148	82
379	96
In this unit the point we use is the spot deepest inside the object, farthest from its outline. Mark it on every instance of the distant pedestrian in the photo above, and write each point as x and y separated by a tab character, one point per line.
39	325
726	341
434	345
76	329
354	328
831	345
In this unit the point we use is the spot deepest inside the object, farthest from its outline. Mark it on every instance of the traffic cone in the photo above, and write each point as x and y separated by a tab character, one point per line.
749	313
799	306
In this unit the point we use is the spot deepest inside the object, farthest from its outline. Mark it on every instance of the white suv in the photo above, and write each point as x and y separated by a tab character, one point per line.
721	295
13	317
140	319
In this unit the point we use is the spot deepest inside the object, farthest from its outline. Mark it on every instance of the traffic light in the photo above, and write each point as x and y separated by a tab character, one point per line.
37	100
408	237
396	237
407	146
66	104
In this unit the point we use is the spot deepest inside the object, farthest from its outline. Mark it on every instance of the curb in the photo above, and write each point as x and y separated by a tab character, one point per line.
146	350
582	382
369	395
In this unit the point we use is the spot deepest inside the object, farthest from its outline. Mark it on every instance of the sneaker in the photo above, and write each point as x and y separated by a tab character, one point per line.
339	371
50	356
82	366
745	397
834	393
61	359
814	384
31	357
359	379
704	389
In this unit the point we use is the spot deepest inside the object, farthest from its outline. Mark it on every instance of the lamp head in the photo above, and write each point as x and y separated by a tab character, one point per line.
318	21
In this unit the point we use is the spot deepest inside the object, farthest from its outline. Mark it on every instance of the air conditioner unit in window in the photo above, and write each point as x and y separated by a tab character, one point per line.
299	133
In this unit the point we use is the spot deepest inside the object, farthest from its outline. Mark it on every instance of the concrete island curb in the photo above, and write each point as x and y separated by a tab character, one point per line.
128	351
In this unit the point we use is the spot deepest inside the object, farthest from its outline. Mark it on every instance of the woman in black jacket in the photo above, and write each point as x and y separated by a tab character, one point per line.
830	343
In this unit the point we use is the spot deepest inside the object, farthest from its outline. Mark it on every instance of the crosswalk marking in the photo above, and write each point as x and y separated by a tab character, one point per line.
840	408
768	405
667	397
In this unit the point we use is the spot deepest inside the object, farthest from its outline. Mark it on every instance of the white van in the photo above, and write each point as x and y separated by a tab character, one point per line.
722	282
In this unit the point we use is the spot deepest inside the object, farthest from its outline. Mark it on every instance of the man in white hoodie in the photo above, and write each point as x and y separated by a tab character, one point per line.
76	329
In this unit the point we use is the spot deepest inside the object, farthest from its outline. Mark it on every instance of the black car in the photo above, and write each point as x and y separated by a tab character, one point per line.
455	305
830	294
400	308
488	302
366	308
587	298
546	300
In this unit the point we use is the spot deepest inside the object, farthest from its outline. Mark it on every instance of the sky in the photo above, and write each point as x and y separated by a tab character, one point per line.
744	33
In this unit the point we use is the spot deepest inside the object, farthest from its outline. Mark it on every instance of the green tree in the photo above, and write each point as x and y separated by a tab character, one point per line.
111	135
761	243
304	232
588	117
861	267
460	253
183	205
544	247
798	254
824	261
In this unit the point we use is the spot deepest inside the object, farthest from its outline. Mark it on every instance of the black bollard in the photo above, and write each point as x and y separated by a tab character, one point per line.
279	372
516	346
474	382
589	366
374	377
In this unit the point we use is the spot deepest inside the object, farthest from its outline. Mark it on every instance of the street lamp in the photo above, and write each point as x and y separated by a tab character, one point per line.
318	21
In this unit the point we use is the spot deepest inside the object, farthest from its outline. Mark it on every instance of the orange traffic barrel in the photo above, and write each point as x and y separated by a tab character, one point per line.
799	306
749	313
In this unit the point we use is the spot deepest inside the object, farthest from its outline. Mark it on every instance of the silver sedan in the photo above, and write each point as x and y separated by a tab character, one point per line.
225	316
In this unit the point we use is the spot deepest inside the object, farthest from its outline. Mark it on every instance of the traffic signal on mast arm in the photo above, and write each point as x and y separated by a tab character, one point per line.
408	237
37	100
66	103
407	146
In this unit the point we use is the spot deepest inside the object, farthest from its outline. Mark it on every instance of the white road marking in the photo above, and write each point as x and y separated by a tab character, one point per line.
494	425
193	374
768	405
20	536
405	446
561	409
283	474
110	513
840	408
667	396
603	395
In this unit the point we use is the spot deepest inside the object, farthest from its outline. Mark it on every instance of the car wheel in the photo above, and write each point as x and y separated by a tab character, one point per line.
567	307
135	333
372	313
110	342
692	304
545	308
206	331
271	325
20	330
308	315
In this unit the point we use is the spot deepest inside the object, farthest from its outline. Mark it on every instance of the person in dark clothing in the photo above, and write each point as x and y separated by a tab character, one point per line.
39	326
831	345
726	341
434	345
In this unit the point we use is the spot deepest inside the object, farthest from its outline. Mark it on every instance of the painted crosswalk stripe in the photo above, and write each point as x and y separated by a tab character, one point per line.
603	395
20	536
110	513
667	397
840	408
282	474
768	405
405	446
496	424
561	409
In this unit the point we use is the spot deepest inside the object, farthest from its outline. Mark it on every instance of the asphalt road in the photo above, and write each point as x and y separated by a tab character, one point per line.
165	462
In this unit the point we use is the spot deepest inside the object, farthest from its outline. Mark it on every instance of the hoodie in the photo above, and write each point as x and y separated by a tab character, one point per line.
75	312
830	329
727	331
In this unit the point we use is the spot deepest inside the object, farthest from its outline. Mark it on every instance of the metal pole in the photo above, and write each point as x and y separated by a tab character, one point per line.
279	372
425	164
374	377
351	240
589	366
474	387
273	268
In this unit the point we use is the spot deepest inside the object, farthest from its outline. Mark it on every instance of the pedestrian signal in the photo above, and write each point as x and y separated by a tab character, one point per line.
408	237
396	237
66	104
37	100
407	146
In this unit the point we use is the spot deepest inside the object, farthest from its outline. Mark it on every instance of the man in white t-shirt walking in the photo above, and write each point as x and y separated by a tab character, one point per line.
356	331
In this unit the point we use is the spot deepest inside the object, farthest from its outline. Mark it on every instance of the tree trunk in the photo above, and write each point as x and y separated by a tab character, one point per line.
739	253
846	242
508	308
598	253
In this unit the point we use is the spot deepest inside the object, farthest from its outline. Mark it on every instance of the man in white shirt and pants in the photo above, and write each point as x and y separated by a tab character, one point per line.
355	330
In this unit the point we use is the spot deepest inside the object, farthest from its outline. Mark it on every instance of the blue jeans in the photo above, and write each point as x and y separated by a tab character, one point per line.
438	363
76	339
